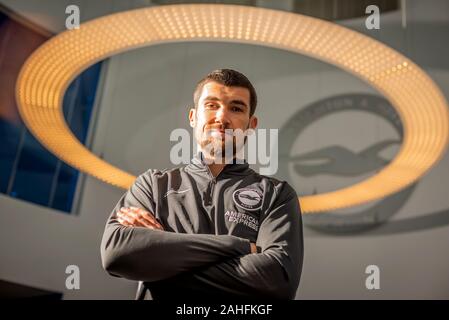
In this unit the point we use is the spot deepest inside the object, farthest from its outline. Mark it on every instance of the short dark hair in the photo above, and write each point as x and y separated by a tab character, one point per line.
229	78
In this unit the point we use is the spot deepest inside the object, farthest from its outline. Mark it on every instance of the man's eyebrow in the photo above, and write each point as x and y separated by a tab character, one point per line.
211	98
239	102
236	101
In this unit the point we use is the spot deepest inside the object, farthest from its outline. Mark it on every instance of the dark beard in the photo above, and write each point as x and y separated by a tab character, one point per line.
223	150
219	154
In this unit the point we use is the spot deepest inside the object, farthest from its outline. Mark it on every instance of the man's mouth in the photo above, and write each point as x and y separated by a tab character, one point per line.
219	131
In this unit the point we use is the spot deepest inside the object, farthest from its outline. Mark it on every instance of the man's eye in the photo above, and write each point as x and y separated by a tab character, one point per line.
237	109
210	105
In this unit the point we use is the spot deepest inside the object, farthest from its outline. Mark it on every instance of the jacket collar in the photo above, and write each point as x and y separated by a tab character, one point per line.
198	165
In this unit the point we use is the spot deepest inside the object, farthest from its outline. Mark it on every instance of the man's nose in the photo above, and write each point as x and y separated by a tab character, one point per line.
222	115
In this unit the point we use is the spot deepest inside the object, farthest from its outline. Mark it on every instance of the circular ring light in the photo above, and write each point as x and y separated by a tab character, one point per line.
420	104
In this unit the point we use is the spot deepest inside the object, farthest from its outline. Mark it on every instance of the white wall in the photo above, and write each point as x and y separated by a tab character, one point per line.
146	95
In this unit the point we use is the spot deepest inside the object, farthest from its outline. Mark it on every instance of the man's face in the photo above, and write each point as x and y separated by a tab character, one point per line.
220	108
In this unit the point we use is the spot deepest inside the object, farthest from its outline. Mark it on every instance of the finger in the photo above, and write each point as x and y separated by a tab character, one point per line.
129	218
125	210
147	216
123	222
123	219
118	215
142	221
150	218
136	217
148	223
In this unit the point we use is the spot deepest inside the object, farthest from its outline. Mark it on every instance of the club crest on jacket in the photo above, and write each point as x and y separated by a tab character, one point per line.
249	199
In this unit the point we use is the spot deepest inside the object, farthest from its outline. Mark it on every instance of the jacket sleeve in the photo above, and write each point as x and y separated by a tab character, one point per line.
273	273
150	255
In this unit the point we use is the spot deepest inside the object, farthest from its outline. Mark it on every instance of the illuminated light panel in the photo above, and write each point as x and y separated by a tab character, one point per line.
418	101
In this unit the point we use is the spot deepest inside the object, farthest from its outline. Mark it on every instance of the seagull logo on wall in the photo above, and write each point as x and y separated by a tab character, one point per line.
339	160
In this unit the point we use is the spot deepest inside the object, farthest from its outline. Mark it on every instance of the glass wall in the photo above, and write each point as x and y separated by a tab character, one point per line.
27	170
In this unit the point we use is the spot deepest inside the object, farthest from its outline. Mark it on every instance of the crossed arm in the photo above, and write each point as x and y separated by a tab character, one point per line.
138	217
136	247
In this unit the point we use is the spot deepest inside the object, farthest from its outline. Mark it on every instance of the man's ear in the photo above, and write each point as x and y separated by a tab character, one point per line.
253	122
192	117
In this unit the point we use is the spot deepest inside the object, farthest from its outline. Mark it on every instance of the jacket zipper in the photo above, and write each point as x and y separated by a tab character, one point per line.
211	186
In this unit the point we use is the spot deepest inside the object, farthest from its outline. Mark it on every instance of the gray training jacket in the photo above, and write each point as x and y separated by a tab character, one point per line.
209	222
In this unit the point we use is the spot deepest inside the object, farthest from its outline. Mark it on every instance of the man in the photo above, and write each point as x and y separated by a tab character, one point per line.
210	229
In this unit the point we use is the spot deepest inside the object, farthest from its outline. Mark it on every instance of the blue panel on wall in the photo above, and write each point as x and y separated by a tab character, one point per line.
32	173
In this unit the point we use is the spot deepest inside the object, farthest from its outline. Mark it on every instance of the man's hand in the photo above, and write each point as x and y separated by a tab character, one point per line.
136	217
253	248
